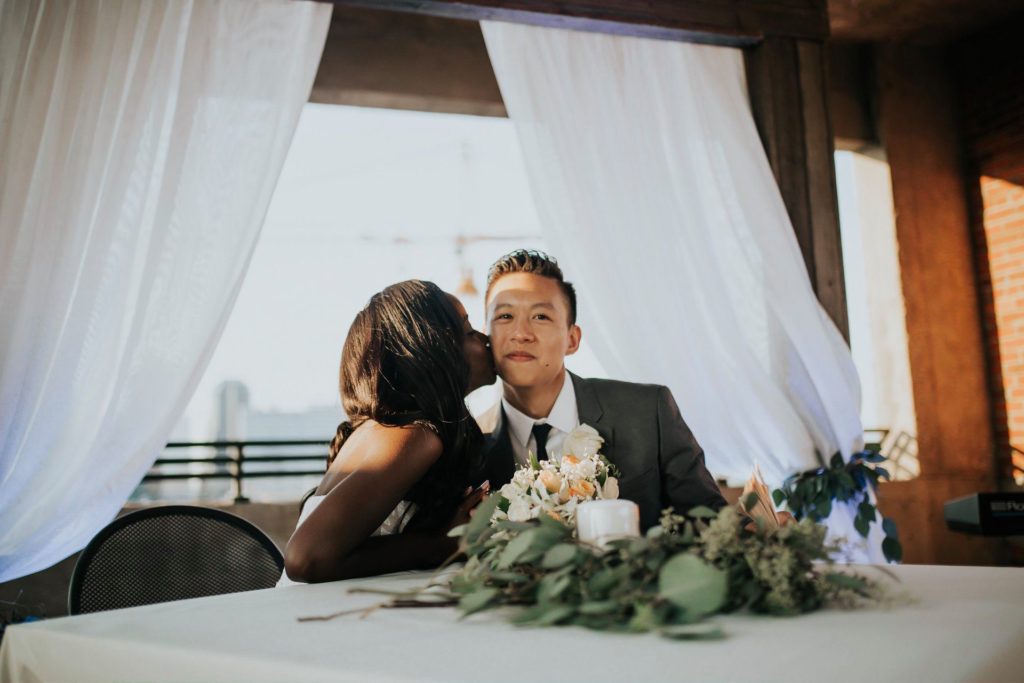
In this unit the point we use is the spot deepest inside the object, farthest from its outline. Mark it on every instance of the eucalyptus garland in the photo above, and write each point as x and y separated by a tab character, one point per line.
811	494
667	581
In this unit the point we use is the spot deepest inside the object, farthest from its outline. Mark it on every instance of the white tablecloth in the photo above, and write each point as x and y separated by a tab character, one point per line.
967	625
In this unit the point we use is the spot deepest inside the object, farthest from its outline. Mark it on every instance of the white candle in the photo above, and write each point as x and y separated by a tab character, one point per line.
601	521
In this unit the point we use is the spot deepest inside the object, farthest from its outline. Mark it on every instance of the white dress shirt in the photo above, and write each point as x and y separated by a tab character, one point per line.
563	418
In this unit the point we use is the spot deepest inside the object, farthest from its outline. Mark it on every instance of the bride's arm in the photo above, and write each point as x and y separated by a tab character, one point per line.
334	542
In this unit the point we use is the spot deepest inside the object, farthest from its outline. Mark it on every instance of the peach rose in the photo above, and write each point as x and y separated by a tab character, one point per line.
582	488
552	482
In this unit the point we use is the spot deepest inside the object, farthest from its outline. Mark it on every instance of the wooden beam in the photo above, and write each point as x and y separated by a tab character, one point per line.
719	22
850	95
788	95
919	128
406	61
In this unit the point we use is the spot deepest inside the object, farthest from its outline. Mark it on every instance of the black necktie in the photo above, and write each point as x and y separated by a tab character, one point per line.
540	434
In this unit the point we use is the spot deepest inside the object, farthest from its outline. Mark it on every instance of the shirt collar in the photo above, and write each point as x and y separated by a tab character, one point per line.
564	415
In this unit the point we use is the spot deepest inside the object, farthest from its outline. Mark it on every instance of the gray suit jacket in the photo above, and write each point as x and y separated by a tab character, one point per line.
644	435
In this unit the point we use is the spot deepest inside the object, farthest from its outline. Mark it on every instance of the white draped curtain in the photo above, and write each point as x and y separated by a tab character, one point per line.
140	143
655	193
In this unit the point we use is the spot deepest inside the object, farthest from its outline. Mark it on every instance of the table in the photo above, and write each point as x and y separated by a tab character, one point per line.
967	624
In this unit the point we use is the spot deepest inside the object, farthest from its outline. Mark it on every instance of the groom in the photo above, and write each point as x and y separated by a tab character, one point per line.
531	319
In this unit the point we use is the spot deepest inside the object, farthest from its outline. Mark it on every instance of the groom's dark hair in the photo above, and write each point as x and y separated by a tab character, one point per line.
538	263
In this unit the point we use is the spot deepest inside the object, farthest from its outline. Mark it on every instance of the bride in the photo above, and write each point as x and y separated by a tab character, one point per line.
398	469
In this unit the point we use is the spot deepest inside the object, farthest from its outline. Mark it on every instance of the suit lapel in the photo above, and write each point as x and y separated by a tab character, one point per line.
499	462
590	411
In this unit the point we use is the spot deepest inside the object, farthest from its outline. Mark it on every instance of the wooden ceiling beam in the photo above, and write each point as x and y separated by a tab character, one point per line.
721	22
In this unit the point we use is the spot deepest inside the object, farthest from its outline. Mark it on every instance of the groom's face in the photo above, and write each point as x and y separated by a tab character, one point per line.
528	320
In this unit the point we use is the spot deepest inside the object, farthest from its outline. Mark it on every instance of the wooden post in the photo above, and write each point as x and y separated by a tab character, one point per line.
788	95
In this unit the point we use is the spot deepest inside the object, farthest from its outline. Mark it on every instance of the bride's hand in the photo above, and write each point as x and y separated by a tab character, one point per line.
470	500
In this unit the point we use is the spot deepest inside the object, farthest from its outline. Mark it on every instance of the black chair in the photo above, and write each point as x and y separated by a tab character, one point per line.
172	552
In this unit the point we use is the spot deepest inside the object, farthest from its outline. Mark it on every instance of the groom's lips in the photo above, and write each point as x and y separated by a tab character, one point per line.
520	356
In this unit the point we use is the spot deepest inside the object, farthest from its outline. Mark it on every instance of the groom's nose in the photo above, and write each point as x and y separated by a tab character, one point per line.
522	331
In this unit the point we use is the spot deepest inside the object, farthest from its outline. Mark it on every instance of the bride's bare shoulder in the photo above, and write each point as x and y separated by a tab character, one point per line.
373	439
378	449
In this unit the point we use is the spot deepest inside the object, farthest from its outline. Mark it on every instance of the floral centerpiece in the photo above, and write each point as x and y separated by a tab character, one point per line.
555	488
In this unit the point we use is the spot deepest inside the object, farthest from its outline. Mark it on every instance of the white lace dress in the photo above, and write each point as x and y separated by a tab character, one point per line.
394	524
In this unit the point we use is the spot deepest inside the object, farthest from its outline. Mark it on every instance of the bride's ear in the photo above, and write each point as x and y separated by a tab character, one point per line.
575	335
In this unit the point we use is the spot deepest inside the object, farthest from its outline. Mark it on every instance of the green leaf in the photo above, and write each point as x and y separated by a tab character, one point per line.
508	577
796	503
882	472
599	607
836	462
704	512
866	510
892	549
861	525
516	548
552	586
559	556
823	509
778	495
606	579
889	527
534	463
481	518
692	632
529	615
842	580
688	582
556	528
554	614
654	560
644	618
477	600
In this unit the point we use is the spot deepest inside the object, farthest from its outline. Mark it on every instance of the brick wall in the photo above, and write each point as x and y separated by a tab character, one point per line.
990	74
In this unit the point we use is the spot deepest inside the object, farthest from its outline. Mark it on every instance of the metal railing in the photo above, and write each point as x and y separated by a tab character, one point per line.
232	461
235	460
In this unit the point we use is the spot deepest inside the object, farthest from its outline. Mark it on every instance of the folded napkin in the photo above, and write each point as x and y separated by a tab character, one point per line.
759	505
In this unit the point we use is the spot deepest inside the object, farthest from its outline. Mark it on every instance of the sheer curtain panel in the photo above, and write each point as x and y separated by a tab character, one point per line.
655	193
140	143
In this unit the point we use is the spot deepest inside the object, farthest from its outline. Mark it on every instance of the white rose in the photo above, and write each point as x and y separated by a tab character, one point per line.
523	478
586	469
519	510
610	490
510	491
582	442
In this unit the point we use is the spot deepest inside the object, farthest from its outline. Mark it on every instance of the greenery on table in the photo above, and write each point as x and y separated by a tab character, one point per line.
811	495
667	581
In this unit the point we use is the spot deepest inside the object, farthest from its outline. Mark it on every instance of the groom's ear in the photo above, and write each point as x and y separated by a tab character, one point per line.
575	334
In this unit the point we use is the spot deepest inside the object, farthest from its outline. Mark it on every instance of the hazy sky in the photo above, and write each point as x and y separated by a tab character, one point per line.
367	197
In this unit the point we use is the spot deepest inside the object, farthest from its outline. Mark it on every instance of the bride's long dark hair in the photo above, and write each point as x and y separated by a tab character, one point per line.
403	364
